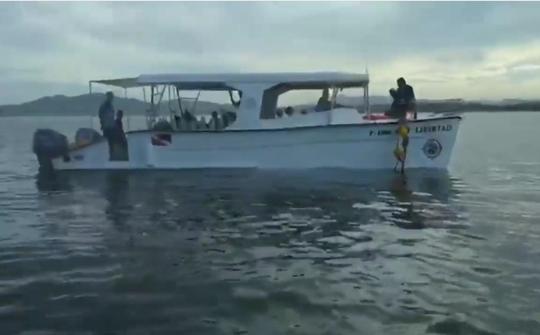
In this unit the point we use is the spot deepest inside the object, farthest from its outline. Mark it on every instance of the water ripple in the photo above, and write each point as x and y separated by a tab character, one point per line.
229	252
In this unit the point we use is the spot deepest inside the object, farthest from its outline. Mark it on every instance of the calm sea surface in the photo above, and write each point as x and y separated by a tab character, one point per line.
260	252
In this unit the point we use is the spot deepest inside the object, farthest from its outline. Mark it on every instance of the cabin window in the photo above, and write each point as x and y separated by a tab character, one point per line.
285	99
351	97
200	110
201	102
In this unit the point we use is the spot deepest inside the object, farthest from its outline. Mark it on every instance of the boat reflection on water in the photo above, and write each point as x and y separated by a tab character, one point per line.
234	249
419	201
415	200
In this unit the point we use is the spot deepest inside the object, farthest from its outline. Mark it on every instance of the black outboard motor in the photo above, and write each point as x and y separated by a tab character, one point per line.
49	144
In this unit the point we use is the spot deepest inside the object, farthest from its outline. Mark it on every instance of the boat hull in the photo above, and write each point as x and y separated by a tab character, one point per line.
357	146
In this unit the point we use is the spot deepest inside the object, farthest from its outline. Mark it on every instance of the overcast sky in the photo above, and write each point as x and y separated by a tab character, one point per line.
445	50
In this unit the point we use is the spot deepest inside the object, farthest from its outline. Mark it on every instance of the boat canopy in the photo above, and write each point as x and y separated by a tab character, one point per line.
257	92
223	81
120	82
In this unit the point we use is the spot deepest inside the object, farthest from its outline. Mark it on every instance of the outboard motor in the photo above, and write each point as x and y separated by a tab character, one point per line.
49	144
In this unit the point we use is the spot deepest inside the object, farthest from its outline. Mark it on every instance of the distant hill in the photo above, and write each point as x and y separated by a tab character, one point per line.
61	105
379	104
88	104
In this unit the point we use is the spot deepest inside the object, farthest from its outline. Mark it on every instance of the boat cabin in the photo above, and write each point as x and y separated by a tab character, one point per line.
254	99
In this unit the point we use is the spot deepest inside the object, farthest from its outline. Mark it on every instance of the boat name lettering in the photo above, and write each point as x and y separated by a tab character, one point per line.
381	132
432	129
417	130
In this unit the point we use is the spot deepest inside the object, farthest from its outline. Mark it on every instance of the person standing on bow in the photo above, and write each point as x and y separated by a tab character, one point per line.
107	121
403	100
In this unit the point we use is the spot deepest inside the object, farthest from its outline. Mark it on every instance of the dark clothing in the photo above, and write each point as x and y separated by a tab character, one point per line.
119	132
106	115
106	120
405	95
403	100
109	134
119	143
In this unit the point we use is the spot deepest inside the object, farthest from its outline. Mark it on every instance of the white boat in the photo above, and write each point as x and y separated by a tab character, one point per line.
338	136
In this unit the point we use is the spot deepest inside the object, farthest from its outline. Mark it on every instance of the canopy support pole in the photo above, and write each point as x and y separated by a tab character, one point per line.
366	99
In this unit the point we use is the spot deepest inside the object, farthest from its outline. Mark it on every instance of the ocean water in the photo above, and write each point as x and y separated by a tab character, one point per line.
275	252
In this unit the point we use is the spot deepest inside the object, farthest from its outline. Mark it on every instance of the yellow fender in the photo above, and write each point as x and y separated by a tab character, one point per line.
399	153
403	131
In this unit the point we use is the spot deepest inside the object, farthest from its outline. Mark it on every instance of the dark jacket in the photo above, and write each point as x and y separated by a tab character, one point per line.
405	95
403	100
119	132
106	115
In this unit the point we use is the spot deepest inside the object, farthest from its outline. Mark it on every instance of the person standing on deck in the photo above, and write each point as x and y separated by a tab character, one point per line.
107	121
120	136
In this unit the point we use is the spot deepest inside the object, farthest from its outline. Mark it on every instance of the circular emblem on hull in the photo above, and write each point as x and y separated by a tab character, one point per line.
432	149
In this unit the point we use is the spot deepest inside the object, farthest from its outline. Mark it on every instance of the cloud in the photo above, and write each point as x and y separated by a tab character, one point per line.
440	47
527	67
